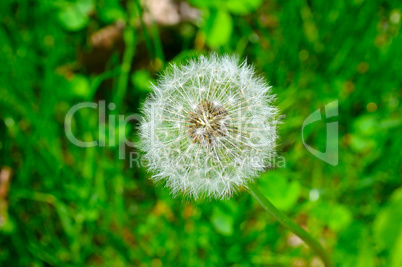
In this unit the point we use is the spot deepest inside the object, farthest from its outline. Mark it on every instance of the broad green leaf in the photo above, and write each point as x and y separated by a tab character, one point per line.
396	255
336	216
75	16
360	144
222	221
142	80
282	192
110	10
218	28
205	3
72	19
387	225
366	125
241	7
80	86
7	224
238	7
85	6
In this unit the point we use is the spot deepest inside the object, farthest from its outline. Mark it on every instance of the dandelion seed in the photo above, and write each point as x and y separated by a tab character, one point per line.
209	127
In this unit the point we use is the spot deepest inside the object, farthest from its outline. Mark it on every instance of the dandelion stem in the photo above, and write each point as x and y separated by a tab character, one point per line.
286	221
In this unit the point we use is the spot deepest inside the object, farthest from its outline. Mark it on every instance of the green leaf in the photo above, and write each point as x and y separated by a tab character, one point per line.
7	224
142	80
354	246
205	3
241	7
65	218
185	55
85	6
110	10
340	218
222	221
238	7
336	216
74	17
396	255
366	125
279	190
387	224
80	86
360	144
218	28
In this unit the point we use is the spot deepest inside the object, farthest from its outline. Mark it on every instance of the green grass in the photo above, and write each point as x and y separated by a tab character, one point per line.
69	205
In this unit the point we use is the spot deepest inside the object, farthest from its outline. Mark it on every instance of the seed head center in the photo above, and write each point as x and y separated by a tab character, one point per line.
207	122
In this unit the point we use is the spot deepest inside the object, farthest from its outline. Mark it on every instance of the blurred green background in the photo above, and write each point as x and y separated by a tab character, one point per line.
66	205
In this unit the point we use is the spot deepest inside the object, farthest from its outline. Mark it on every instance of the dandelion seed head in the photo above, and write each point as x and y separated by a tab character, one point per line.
209	127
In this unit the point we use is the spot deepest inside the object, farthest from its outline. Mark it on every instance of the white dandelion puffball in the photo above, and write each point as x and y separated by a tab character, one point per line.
209	127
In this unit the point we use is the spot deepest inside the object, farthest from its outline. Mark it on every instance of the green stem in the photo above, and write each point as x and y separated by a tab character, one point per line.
286	221
145	31
122	82
158	44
